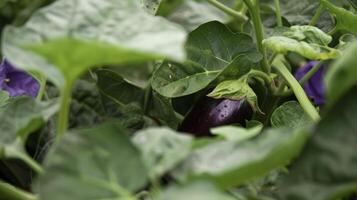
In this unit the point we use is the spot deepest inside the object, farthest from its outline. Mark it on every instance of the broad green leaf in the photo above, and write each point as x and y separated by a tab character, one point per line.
281	44
301	12
211	49
116	88
162	149
235	133
229	163
151	6
191	14
341	76
291	115
22	116
98	163
66	38
195	191
309	34
161	109
119	90
346	20
236	90
326	168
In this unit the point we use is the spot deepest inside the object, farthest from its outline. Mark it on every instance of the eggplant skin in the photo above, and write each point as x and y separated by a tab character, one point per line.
209	112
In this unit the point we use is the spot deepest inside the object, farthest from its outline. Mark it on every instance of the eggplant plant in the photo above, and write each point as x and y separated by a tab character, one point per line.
178	99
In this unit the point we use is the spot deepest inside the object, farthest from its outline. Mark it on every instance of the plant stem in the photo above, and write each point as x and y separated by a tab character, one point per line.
147	98
229	11
254	11
17	151
62	123
300	94
309	74
279	19
8	191
316	16
304	79
42	90
267	79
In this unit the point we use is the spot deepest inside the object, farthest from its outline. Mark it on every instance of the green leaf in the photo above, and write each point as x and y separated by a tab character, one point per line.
66	38
235	133
211	48
116	88
236	90
309	34
162	149
230	164
4	99
151	6
308	41
301	13
291	115
161	109
326	168
191	14
196	191
346	20
341	76
22	116
281	44
98	163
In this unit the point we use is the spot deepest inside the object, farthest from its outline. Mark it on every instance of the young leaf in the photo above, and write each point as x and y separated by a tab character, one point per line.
85	33
197	190
341	76
236	90
291	115
210	49
309	34
162	149
230	163
282	44
98	163
235	133
326	168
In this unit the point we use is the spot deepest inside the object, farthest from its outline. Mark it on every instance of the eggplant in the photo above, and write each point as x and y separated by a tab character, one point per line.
209	112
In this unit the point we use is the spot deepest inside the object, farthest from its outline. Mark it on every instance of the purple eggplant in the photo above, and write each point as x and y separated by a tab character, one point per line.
208	113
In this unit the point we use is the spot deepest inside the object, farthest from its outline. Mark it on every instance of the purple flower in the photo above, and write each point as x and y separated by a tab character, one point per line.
314	87
17	82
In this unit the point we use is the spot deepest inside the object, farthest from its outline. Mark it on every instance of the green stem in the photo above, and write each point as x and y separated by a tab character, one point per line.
259	32
279	19
31	162
300	94
333	31
42	90
229	11
62	123
17	151
267	79
316	16
147	98
309	74
304	79
8	191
